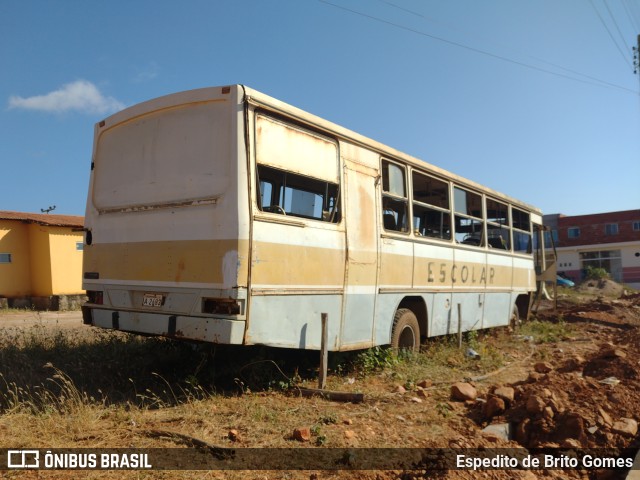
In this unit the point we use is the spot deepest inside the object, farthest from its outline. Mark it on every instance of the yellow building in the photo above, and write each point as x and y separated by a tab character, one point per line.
40	259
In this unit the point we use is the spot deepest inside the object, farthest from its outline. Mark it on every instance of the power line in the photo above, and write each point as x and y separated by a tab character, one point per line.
606	4
632	21
601	83
387	2
631	14
610	34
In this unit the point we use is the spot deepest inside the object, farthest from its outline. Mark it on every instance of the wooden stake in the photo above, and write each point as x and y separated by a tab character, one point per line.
459	325
324	352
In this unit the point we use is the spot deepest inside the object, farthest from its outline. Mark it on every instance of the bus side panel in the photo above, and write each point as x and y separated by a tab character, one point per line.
470	277
297	273
497	310
432	271
396	275
294	321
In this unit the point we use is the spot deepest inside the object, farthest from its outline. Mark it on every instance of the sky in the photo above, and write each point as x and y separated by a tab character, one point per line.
534	99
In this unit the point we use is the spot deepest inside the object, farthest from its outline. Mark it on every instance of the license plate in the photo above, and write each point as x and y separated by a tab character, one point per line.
152	300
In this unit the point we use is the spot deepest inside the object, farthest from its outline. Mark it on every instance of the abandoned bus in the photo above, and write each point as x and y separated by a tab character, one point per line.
224	215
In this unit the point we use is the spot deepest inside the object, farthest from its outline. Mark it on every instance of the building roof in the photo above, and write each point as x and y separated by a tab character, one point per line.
44	219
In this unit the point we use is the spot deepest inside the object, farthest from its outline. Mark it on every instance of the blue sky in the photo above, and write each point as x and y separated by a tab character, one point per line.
536	99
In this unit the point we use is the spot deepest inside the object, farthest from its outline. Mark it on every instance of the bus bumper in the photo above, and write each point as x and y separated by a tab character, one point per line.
213	330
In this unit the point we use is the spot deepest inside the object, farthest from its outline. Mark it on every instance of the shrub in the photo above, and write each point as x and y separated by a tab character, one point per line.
595	273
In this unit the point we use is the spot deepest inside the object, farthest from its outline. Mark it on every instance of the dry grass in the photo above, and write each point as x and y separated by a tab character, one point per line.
88	388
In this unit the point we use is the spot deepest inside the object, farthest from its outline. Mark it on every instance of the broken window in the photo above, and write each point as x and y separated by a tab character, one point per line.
469	219
394	197
431	213
288	193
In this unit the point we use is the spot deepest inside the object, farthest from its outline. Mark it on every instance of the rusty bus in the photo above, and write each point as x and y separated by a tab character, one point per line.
224	215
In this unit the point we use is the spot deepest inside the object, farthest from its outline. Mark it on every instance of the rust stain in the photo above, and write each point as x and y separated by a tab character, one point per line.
181	268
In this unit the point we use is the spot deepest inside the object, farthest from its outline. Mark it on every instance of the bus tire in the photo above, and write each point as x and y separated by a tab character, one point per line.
406	331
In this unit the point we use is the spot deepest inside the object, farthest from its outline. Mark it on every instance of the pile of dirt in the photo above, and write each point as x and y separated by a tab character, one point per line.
582	403
622	311
584	395
603	286
569	401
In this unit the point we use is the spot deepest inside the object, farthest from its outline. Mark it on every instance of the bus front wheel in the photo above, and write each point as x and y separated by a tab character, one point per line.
406	331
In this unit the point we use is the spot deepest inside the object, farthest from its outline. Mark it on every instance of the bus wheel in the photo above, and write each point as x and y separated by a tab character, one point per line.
406	331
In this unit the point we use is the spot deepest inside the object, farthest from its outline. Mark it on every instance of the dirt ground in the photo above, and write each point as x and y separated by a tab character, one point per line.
578	392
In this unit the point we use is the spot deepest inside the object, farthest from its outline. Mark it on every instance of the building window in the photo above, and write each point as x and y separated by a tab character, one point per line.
79	246
636	226
609	260
611	229
573	232
5	258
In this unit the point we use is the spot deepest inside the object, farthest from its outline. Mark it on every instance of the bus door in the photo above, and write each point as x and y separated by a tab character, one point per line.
362	253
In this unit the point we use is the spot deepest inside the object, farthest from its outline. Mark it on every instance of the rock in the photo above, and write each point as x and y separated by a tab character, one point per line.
571	443
462	391
425	384
422	393
548	413
543	367
534	377
625	426
576	362
505	393
523	430
498	430
400	389
527	475
609	351
347	421
604	418
535	404
349	434
233	435
493	406
302	434
572	426
416	400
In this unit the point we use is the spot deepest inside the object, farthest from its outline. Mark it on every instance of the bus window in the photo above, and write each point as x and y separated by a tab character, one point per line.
469	222
498	231
431	214
288	193
521	231
394	197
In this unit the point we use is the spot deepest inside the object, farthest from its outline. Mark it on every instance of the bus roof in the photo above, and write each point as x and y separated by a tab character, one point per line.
267	102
